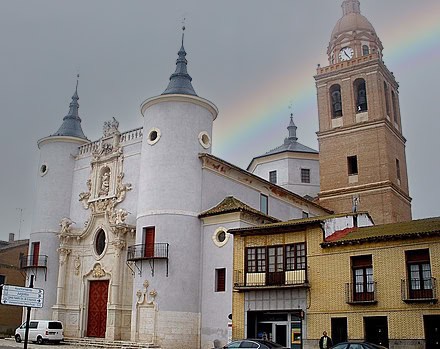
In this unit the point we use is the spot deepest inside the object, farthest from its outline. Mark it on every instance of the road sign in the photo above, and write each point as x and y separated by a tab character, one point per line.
22	296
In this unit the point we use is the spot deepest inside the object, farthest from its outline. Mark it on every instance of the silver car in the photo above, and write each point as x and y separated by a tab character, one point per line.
253	343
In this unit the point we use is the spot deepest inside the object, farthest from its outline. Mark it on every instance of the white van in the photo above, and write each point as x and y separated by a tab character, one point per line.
41	331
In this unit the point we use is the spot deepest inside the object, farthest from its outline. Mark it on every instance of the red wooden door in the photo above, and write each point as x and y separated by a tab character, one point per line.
35	252
149	242
97	315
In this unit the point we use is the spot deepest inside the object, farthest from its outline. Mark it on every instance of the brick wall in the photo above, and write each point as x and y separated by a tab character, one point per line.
11	316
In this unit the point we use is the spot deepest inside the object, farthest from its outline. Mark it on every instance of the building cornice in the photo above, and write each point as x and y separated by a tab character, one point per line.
180	98
64	139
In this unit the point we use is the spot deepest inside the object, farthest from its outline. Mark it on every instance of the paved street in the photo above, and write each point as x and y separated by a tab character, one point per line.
10	343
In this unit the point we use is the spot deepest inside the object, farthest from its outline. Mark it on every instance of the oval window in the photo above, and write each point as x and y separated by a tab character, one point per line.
43	169
100	242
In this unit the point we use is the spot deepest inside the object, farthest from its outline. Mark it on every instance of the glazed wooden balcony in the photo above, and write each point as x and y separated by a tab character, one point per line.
361	293
421	290
284	279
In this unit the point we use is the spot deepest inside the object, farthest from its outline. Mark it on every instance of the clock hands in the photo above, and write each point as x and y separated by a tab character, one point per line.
345	53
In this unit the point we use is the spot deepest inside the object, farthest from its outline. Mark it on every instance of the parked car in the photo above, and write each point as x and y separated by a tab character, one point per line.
357	345
41	331
253	343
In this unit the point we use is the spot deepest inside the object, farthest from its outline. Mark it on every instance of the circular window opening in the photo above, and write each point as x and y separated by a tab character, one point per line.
100	242
153	136
204	139
220	237
43	169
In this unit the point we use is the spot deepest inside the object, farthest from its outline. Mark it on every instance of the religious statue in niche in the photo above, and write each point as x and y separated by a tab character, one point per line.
105	183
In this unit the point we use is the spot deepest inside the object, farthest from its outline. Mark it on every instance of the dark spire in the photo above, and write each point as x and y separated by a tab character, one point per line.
351	6
71	125
292	130
180	81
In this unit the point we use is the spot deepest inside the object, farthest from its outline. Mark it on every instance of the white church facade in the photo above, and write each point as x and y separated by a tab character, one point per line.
129	238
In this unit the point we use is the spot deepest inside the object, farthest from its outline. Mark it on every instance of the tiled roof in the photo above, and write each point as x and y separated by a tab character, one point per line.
291	223
230	204
393	231
262	180
4	245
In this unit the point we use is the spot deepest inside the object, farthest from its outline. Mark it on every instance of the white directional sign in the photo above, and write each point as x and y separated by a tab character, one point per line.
23	296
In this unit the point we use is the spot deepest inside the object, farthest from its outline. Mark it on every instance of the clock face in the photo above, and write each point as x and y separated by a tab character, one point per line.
346	53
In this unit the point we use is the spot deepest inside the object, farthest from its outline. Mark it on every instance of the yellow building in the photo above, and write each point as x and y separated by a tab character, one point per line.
338	273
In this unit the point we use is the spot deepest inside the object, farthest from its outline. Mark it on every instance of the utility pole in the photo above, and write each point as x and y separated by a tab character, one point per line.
20	221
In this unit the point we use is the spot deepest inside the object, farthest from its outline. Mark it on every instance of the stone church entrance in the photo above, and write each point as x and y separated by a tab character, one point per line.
97	312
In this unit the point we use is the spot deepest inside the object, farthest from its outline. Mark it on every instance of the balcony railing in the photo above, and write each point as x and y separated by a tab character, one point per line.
33	261
361	293
418	290
292	278
154	251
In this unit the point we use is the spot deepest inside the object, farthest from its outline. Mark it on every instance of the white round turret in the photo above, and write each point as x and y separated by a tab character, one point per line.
52	203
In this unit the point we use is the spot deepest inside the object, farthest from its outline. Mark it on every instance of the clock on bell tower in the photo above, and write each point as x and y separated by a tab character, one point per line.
362	149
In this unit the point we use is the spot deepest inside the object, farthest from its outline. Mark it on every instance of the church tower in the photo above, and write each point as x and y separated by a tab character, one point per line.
52	203
362	149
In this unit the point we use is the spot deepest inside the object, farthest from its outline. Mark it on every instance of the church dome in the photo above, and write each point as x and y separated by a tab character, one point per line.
354	33
352	22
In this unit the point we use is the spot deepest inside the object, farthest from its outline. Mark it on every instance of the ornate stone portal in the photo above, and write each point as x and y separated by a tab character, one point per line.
96	251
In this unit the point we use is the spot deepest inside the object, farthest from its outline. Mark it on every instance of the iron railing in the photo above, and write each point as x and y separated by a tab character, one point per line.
361	293
155	251
33	261
419	290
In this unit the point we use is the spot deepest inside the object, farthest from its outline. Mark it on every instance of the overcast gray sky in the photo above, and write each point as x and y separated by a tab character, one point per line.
251	58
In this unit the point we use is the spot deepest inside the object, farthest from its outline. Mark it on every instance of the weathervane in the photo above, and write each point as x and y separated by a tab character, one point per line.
183	28
291	107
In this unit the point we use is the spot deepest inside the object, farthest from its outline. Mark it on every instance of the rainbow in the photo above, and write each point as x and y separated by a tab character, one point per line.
265	113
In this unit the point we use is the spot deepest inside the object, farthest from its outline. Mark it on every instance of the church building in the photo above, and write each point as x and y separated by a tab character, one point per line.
130	238
130	233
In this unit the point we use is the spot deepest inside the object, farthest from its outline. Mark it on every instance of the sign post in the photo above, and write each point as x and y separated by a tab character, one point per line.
28	316
29	297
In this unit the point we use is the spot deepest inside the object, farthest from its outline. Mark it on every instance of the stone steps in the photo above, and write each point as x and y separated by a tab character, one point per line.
103	343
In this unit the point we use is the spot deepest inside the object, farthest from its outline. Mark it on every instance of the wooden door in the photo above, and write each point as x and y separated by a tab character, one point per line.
35	253
149	242
97	314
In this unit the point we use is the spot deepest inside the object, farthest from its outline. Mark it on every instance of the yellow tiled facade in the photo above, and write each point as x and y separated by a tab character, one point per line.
331	270
330	276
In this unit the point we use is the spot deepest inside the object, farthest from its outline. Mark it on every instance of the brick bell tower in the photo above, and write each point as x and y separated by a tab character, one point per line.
362	149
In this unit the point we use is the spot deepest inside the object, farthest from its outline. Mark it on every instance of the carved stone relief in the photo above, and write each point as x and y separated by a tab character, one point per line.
145	297
97	271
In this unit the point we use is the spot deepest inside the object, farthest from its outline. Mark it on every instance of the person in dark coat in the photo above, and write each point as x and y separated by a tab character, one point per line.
325	342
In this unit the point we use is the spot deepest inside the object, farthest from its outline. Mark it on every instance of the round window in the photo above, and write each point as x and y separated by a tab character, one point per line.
43	169
100	242
220	236
153	136
204	139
